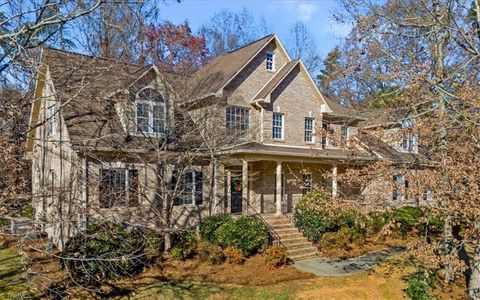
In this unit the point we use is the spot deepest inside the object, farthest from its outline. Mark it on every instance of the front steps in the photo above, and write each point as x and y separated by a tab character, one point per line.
298	246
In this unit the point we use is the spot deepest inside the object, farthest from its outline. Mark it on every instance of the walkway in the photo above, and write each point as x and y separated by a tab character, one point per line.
337	267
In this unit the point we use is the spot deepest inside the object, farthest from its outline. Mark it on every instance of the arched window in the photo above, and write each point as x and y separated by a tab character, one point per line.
150	111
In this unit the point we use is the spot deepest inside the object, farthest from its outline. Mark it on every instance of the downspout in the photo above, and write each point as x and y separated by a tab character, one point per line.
85	192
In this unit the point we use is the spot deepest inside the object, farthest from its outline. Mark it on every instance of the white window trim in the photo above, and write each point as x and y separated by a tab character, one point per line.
282	138
348	134
273	61
313	130
246	134
150	104
51	119
414	148
194	185
400	188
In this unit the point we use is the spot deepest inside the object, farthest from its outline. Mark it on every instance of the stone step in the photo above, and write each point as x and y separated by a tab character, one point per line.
302	256
300	245
296	240
281	226
288	230
292	235
295	251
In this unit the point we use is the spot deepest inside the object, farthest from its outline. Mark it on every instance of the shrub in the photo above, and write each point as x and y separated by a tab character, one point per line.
313	223
210	225
186	240
107	251
407	218
419	285
378	220
177	253
247	234
27	211
211	253
353	220
234	256
434	224
275	256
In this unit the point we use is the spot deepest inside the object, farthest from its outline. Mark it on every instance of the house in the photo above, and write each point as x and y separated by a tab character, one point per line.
254	135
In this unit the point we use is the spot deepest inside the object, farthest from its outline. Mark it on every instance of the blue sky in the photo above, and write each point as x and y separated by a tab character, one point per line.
279	15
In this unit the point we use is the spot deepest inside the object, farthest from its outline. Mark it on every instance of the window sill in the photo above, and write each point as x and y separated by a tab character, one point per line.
310	143
279	140
271	71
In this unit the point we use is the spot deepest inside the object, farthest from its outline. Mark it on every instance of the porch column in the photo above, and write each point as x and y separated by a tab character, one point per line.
334	181
245	186
278	188
228	200
218	174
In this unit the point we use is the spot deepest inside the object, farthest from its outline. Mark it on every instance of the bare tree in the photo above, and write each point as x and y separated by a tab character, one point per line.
301	45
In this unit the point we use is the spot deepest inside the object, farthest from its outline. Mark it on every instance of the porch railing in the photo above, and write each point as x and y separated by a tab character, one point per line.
274	236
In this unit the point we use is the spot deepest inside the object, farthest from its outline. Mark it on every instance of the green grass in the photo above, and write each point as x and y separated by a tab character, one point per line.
12	276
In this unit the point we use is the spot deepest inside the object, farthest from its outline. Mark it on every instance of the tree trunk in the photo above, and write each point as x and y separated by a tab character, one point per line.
448	234
474	285
168	241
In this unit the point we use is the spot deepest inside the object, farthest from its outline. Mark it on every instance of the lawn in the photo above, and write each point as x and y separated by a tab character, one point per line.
13	283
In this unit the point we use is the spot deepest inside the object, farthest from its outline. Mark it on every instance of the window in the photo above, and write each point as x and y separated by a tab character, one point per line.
270	61
190	189
344	135
325	128
51	120
307	183
408	143
277	126
118	187
428	196
399	187
309	125
237	120
150	111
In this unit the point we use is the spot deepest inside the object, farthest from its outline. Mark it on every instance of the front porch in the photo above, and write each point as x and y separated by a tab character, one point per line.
265	186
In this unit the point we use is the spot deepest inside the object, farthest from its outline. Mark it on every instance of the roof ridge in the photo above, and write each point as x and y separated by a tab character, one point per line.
98	57
246	45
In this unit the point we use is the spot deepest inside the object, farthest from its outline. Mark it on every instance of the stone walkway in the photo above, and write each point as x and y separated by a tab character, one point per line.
321	266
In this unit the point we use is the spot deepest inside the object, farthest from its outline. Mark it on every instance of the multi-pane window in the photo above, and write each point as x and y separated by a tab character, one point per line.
399	185
325	129
51	120
190	189
307	183
237	120
277	126
309	123
270	61
408	142
150	111
344	134
118	187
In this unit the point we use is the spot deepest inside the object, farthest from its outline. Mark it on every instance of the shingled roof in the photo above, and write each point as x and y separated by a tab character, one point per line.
276	79
209	79
82	85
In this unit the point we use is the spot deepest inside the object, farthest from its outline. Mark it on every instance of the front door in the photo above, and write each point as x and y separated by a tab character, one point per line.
236	194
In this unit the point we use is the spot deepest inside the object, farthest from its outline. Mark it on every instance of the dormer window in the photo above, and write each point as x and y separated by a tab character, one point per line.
345	135
150	111
270	61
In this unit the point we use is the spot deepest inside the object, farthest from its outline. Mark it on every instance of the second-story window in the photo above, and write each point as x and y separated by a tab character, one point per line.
51	120
237	120
270	61
150	111
309	124
277	126
408	142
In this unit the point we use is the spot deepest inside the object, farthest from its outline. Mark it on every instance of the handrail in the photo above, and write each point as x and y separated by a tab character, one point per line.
310	225
273	234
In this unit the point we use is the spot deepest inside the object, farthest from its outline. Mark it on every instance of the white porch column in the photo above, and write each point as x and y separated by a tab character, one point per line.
244	186
229	192
334	181
278	188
